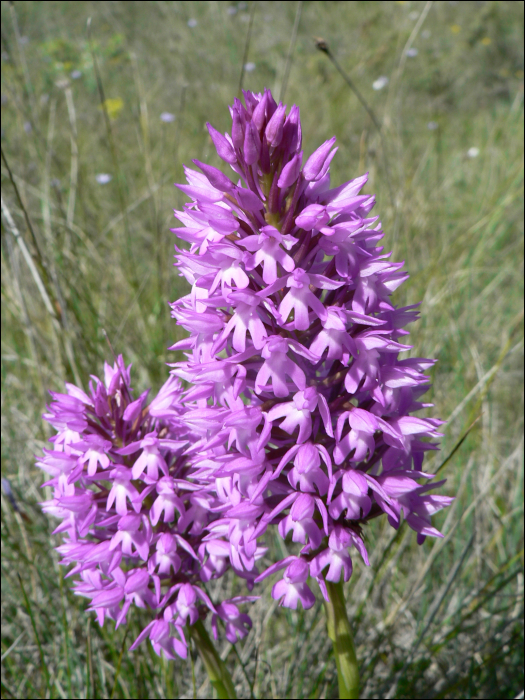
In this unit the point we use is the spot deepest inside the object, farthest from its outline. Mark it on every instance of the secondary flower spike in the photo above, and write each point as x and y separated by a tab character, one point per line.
298	390
133	515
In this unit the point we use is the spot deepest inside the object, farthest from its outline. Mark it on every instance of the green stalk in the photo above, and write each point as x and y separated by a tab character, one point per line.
217	671
340	633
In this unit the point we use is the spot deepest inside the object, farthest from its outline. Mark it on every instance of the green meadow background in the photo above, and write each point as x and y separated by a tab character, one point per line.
82	258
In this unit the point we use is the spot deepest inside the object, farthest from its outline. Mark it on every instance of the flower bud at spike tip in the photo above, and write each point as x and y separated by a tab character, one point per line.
252	144
237	130
316	161
223	146
215	176
291	171
259	113
274	128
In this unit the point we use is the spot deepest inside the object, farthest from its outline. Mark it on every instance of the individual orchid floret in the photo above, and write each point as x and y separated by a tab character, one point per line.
290	172
334	337
292	588
298	413
307	474
313	169
150	459
274	127
300	520
300	298
165	558
277	367
223	145
186	604
359	440
353	499
314	216
167	501
132	538
167	639
122	491
268	252
246	320
237	624
336	557
403	494
96	453
167	403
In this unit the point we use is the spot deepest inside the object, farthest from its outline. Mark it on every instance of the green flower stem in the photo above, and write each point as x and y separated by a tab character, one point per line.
340	633
217	671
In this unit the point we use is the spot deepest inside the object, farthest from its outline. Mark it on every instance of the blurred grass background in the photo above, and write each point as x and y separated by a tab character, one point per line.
84	254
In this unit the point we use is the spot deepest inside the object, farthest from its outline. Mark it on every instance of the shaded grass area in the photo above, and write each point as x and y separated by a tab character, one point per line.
444	620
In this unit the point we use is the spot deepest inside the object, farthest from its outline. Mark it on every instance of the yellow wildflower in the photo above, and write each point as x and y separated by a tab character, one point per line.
113	106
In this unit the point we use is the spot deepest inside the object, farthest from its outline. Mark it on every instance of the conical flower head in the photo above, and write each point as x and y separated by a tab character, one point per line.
290	314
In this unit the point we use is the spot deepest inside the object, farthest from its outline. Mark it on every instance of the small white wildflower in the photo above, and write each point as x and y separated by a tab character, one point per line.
167	117
249	67
473	152
103	178
380	83
411	53
76	74
192	22
232	10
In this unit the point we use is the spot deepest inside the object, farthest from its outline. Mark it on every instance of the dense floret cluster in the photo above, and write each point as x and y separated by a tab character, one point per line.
296	411
294	354
134	519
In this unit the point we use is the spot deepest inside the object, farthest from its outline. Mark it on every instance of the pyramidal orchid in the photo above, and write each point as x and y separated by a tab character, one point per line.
296	358
293	410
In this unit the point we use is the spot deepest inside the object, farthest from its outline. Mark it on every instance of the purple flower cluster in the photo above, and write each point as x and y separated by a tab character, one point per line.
296	410
134	518
297	389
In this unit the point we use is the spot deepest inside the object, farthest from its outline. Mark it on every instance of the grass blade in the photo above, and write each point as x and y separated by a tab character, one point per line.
43	665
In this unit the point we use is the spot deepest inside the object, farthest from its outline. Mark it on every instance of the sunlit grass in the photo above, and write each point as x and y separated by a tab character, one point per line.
441	620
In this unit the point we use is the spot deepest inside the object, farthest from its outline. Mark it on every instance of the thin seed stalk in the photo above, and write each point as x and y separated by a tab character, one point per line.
217	672
340	633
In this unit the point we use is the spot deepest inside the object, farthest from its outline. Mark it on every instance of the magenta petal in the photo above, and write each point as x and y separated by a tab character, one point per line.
216	177
290	172
222	145
252	144
274	128
316	161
